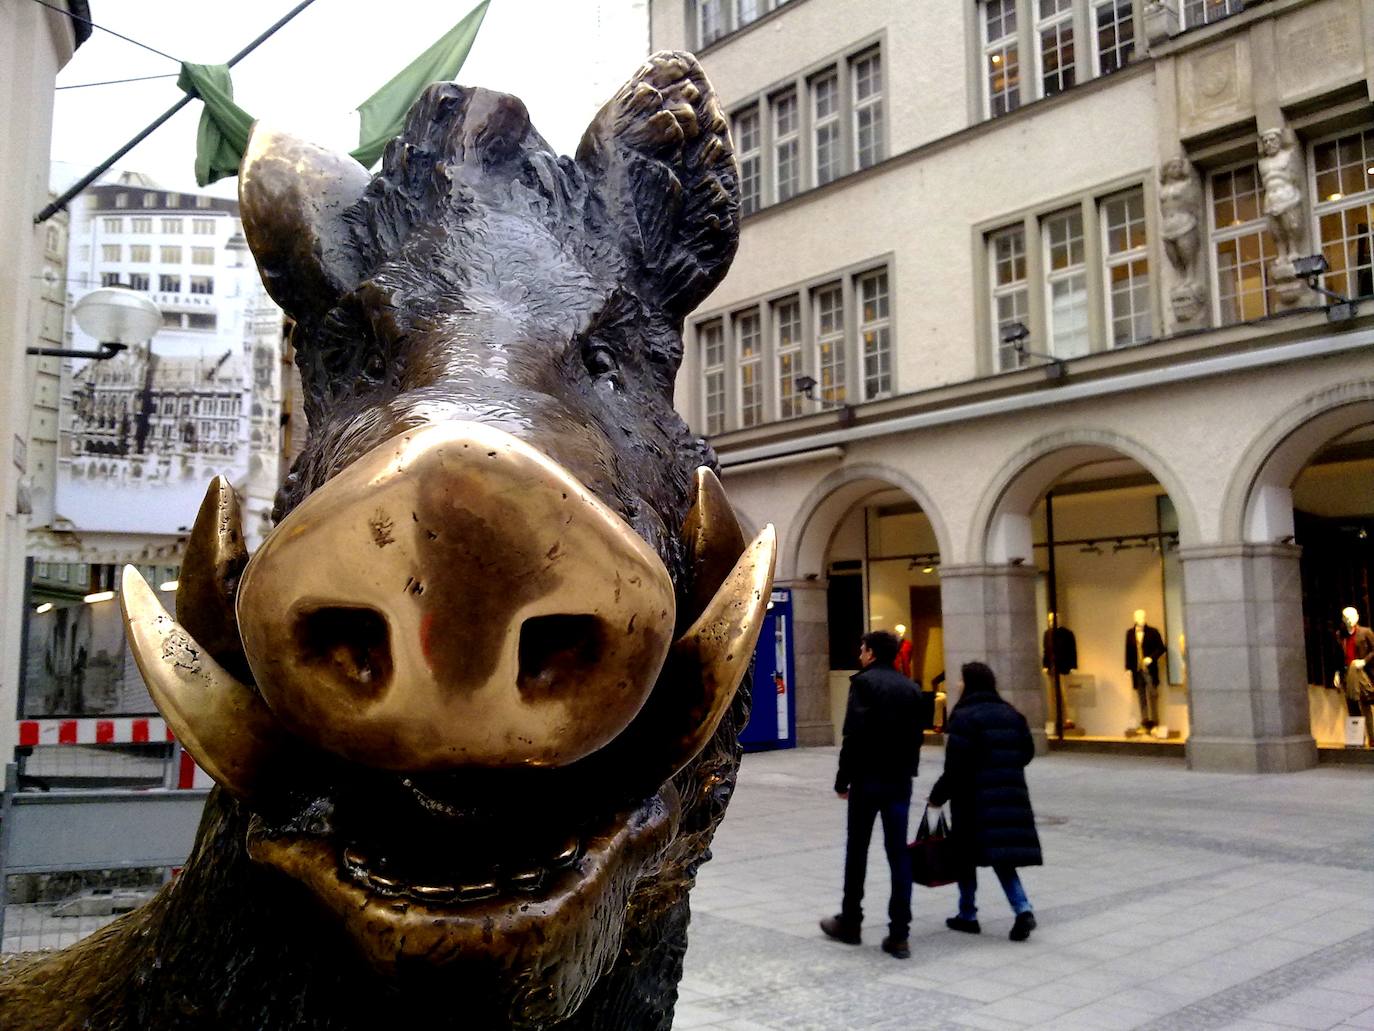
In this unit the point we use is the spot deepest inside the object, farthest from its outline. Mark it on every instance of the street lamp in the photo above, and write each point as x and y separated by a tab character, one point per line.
806	386
1016	334
115	316
1312	267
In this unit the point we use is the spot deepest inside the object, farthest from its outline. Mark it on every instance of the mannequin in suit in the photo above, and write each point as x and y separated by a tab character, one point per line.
1058	648
1144	648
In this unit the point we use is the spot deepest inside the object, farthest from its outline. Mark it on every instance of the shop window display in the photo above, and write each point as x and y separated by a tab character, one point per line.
1110	594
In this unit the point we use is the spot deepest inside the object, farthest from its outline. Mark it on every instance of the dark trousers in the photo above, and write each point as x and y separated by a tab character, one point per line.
867	802
1148	692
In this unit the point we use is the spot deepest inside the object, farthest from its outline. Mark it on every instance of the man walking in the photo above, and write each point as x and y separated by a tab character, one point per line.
883	728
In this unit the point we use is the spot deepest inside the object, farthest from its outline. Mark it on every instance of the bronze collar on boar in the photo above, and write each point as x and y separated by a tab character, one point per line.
472	707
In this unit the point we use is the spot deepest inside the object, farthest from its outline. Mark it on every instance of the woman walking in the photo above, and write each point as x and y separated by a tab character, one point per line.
987	747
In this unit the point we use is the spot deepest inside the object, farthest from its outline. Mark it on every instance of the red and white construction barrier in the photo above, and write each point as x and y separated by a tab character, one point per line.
125	730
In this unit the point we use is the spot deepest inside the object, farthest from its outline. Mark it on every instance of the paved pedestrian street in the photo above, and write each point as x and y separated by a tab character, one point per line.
1170	900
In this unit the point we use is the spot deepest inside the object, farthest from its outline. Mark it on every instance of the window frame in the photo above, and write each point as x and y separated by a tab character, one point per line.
1186	22
880	324
1127	258
1057	22
1258	225
1074	271
997	291
710	370
749	156
752	364
792	138
1095	32
789	397
1343	202
1007	43
859	105
831	123
837	390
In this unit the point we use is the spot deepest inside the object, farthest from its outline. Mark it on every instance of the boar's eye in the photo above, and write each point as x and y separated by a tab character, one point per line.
376	366
601	364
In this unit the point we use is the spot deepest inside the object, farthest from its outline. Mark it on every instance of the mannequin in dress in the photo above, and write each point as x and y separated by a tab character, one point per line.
1357	647
1144	648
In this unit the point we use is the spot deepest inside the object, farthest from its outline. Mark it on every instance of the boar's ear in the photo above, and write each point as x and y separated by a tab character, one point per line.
292	196
660	159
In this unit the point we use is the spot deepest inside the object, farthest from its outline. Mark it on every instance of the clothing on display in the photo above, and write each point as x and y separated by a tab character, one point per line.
1357	647
1059	651
1144	648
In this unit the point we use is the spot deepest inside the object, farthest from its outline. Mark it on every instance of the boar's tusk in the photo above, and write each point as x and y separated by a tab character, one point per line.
706	664
222	722
714	543
209	579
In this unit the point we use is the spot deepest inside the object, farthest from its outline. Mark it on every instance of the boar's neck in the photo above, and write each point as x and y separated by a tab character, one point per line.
231	946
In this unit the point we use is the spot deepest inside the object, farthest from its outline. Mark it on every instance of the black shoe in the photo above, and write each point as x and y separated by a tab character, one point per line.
897	948
958	923
1025	923
842	931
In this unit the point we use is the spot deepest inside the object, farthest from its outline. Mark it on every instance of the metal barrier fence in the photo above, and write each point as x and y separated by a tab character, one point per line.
103	851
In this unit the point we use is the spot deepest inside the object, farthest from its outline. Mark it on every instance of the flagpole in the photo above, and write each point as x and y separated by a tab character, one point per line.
86	180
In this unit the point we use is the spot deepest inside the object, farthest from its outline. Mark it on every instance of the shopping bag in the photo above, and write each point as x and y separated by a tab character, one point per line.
933	860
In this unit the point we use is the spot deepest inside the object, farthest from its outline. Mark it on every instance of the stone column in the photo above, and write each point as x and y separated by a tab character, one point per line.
989	616
811	653
1247	670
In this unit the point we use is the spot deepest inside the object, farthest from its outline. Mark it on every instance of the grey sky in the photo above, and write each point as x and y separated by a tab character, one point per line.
562	57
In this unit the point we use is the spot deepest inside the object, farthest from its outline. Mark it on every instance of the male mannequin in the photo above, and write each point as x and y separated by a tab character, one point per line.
1357	646
1144	648
1059	648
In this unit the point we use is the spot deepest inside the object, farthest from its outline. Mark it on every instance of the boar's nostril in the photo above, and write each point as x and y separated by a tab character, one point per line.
558	652
349	645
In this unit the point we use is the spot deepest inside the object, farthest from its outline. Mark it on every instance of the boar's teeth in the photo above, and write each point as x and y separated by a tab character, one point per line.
222	722
209	581
565	855
481	890
433	893
382	881
704	669
527	880
354	859
714	544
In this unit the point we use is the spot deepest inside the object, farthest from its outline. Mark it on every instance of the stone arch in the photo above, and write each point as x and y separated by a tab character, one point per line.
825	506
1258	504
1000	529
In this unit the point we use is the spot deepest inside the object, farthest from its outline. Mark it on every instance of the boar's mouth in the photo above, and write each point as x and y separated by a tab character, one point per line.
521	871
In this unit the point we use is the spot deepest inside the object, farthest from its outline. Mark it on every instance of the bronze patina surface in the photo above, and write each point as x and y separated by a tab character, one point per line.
473	706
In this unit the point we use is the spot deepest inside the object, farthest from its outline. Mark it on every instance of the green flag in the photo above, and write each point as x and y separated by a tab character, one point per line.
223	134
383	113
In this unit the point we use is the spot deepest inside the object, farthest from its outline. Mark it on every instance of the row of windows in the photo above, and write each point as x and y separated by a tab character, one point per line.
811	131
1064	255
715	18
142	254
150	200
1058	59
793	354
1241	249
169	226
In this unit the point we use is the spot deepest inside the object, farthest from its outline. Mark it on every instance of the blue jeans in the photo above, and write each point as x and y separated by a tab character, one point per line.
1011	884
893	804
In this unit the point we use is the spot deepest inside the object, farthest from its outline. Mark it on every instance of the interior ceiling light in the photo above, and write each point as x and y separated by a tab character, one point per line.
91	599
45	607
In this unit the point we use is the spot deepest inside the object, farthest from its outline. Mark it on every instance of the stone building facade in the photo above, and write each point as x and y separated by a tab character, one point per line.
1020	324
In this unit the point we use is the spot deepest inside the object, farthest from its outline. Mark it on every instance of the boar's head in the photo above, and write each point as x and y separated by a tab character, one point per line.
472	706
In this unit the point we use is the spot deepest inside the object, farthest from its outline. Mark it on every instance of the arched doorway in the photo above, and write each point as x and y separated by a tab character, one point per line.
1094	521
1309	490
866	557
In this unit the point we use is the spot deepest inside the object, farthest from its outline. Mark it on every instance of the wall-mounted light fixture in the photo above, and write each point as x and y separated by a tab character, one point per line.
1312	267
1016	334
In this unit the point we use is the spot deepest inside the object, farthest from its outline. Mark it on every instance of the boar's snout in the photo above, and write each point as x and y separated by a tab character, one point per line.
456	598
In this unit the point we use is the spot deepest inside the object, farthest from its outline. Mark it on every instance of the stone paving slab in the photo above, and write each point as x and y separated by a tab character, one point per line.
1169	901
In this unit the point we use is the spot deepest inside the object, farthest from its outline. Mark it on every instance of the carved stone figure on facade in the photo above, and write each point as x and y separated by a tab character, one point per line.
1281	173
1180	210
1161	21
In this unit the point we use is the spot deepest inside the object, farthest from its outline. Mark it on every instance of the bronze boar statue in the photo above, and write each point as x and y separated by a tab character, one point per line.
472	707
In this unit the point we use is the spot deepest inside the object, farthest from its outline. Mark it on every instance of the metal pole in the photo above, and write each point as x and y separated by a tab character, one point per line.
1053	591
86	180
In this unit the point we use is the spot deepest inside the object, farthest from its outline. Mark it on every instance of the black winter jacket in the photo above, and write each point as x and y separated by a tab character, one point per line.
987	747
883	728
